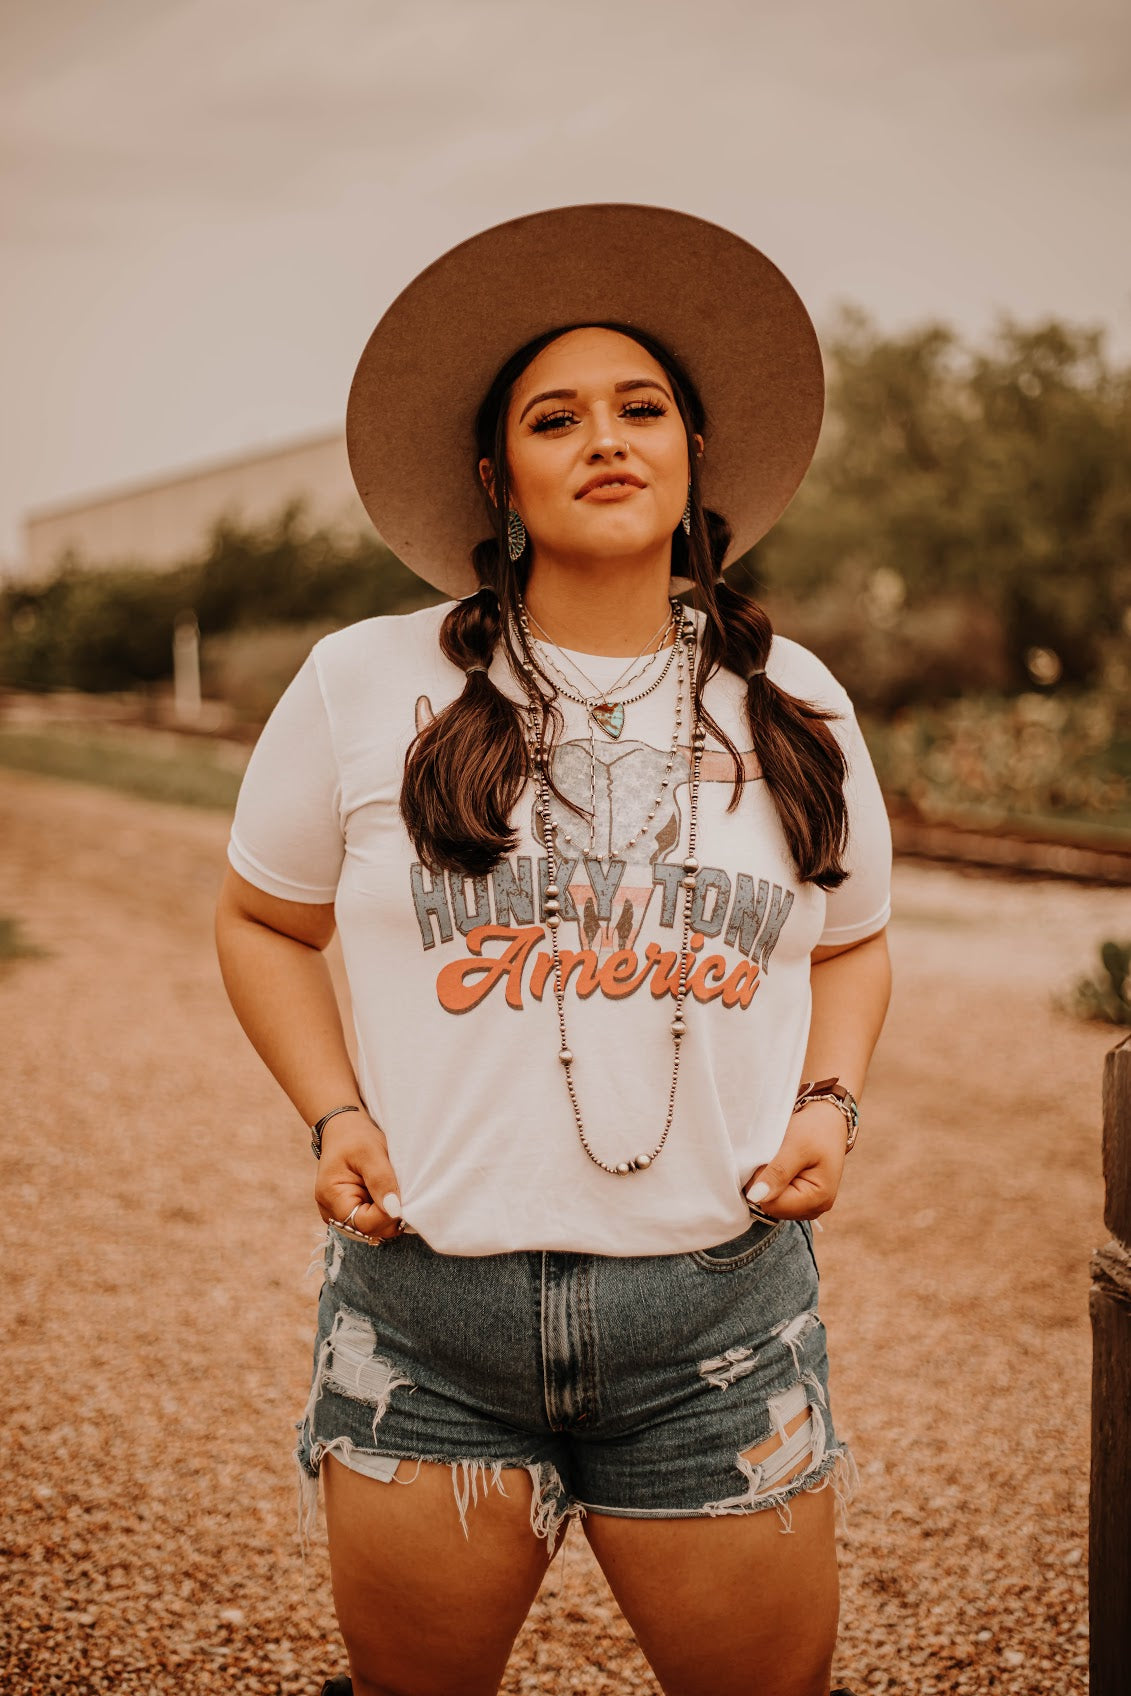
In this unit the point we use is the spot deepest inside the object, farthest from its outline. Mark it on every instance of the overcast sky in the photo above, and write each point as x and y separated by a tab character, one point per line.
206	205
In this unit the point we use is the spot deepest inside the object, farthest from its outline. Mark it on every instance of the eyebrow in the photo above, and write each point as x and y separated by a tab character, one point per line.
571	394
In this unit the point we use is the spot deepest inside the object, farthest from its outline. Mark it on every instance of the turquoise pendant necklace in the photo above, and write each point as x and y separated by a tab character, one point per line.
608	714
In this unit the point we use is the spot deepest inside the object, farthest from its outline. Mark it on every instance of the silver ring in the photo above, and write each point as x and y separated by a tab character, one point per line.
347	1224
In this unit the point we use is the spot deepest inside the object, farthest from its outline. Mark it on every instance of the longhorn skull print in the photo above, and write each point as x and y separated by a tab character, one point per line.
611	890
611	903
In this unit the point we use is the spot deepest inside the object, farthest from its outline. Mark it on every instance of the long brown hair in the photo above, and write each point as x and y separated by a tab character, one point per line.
466	769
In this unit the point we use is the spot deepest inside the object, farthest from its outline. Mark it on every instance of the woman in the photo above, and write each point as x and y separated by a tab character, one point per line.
612	879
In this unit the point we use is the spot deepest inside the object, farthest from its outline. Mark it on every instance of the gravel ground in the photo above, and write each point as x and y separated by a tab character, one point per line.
159	1222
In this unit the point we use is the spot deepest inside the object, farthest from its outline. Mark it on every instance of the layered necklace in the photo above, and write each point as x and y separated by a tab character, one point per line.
605	712
685	643
673	625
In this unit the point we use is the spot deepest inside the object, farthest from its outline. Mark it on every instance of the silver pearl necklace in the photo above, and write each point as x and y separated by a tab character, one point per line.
552	911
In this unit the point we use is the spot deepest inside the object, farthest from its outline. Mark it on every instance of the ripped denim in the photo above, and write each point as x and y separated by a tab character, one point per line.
658	1386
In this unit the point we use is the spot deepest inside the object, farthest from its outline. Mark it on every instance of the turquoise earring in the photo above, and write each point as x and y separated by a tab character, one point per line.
686	519
516	535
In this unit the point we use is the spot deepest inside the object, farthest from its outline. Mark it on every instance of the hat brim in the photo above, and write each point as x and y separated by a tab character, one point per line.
722	307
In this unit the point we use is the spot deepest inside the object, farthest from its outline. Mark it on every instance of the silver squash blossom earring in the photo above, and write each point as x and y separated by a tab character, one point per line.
516	535
686	519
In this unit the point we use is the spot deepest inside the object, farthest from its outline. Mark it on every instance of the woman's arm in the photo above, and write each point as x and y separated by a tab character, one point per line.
277	980
851	988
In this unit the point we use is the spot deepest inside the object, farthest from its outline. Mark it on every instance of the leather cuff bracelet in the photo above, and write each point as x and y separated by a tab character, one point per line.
831	1089
316	1130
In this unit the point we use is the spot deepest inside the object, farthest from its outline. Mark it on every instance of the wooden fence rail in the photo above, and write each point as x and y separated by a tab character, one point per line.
1109	1542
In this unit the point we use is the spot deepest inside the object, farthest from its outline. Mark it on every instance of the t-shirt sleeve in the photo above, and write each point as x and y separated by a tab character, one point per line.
286	835
862	904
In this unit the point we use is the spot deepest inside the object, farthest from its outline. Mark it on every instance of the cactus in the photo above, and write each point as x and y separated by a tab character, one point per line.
1106	996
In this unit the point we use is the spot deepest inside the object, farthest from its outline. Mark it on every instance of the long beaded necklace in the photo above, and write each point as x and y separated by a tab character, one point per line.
607	714
552	912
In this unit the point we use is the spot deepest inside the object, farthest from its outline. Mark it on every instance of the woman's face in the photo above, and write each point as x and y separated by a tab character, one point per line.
595	404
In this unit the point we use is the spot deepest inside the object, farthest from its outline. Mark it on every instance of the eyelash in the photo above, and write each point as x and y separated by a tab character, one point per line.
544	421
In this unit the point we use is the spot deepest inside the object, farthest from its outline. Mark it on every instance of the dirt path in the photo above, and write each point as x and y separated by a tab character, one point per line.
158	1222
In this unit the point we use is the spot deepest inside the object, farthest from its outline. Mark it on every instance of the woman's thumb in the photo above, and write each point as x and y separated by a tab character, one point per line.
767	1184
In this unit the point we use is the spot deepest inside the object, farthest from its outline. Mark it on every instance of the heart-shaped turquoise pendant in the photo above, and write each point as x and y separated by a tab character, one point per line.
610	716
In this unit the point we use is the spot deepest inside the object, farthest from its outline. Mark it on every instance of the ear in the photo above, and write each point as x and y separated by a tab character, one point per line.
699	445
487	477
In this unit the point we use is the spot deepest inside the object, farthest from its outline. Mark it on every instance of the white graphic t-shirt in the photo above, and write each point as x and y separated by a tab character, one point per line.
451	980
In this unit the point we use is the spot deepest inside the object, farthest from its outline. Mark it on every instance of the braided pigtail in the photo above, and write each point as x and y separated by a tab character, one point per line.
465	770
802	763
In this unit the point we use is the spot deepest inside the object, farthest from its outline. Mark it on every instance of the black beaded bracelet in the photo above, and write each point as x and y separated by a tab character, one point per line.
316	1130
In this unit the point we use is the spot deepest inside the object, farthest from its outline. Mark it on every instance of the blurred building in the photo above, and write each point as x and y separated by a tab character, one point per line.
163	521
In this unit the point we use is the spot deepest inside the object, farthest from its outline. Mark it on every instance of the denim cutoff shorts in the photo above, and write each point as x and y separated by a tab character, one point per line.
627	1386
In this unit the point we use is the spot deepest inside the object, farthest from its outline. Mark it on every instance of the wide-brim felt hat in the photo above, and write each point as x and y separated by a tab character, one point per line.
723	308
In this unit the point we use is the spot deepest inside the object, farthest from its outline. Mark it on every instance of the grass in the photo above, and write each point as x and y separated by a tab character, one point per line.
160	768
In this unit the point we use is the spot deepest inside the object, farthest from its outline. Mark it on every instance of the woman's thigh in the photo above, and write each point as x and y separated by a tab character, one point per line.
728	1607
423	1610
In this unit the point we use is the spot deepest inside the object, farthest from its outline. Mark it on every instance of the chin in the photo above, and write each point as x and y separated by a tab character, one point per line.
621	539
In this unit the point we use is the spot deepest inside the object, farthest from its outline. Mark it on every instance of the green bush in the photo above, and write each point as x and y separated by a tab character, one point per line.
288	574
91	630
1107	995
1052	757
110	630
990	485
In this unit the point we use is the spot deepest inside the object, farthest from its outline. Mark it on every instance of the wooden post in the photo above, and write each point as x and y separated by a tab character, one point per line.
186	667
1109	1541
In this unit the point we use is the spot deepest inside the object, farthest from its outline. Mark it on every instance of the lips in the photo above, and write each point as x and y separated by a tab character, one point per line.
608	478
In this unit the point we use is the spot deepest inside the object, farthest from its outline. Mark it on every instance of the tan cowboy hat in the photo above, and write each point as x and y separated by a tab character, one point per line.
720	305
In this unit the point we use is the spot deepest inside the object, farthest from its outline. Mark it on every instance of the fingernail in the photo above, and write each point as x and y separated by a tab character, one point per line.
392	1204
757	1192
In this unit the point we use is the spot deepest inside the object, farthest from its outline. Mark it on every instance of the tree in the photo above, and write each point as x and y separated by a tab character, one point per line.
971	505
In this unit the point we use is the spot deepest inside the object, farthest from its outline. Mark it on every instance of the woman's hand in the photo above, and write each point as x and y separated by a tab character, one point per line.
802	1179
354	1169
